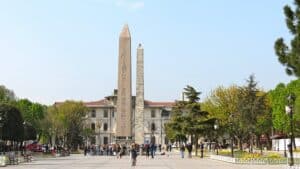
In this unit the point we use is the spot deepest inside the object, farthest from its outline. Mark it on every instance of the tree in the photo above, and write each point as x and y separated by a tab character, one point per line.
188	119
6	95
278	101
12	123
67	122
252	104
221	103
289	55
33	113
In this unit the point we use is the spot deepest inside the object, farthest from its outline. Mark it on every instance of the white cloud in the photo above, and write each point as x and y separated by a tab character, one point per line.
131	5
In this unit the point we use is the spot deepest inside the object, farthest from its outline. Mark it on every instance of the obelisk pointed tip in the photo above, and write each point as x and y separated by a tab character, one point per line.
140	46
125	31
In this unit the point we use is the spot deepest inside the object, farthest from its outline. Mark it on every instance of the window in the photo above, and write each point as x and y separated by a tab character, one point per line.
93	126
105	126
153	127
152	113
105	115
93	140
113	114
105	140
165	113
93	113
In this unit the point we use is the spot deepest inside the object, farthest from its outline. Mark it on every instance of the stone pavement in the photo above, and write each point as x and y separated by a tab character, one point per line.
173	161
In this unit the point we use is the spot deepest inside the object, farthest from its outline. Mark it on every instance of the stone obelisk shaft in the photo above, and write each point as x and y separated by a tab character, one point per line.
124	103
139	106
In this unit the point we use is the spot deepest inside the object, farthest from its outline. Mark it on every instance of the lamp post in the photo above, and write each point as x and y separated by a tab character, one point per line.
25	136
216	127
231	133
289	111
1	133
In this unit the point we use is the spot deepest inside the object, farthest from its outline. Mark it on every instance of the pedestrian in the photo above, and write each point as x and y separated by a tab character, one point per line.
189	147
152	150
170	147
133	153
182	149
147	149
159	147
201	149
118	151
85	150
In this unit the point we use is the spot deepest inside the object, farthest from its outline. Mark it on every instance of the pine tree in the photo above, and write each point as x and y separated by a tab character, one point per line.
289	55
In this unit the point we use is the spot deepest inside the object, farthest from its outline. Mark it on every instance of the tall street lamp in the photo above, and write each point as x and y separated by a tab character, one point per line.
231	133
25	136
1	132
216	127
289	111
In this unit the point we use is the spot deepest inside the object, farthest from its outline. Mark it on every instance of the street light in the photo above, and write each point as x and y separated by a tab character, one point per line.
289	111
25	136
1	133
216	127
231	133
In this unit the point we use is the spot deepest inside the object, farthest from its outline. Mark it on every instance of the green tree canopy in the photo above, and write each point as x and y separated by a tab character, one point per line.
278	101
6	95
188	119
33	113
66	121
11	122
289	55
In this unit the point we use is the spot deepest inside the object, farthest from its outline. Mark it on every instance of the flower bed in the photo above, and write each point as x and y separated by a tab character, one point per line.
250	160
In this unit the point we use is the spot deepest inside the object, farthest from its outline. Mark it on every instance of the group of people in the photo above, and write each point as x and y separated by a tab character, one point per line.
189	148
109	150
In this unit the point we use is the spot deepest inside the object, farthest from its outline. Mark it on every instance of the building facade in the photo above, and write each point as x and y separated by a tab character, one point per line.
102	119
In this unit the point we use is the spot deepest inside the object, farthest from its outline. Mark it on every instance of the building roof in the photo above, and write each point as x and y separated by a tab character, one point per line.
158	104
99	103
107	103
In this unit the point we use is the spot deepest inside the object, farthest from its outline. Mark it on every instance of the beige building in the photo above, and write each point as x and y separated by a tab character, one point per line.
103	120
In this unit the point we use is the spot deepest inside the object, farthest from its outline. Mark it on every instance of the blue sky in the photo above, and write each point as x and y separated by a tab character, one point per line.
53	50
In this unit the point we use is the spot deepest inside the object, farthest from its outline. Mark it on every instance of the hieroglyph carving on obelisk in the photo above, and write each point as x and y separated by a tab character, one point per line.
124	103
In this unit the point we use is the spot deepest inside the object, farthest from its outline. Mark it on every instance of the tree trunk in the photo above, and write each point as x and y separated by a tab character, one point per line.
196	145
240	144
294	143
251	143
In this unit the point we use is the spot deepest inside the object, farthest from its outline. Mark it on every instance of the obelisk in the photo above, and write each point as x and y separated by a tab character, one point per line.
124	103
139	101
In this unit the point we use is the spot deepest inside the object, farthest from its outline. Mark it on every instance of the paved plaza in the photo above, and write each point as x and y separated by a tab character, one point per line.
173	161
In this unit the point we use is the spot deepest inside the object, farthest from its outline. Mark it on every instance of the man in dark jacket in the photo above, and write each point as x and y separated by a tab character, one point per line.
189	147
133	155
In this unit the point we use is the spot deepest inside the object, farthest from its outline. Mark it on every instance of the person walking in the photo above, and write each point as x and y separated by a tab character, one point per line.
189	147
201	149
147	149
182	149
133	153
152	147
85	150
118	150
